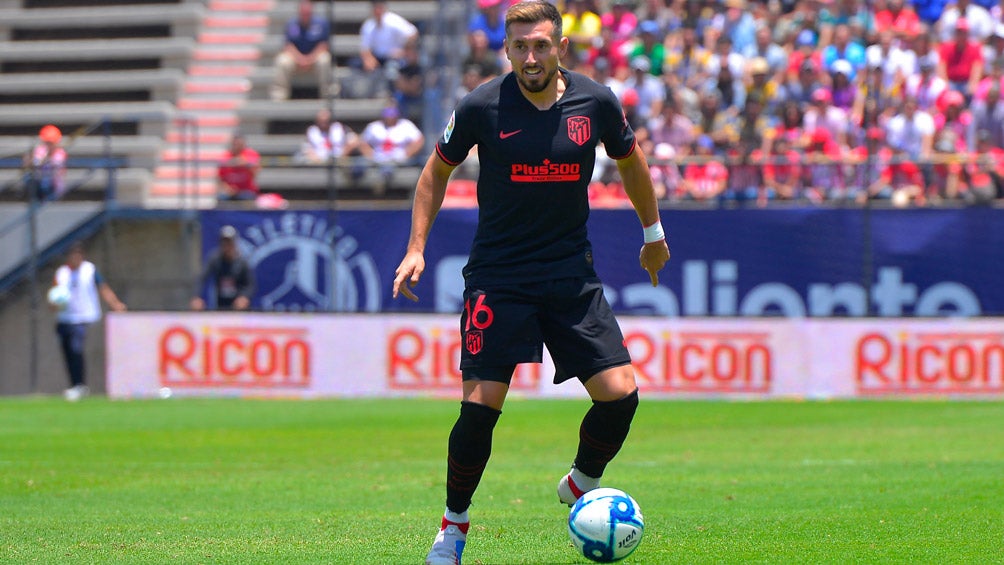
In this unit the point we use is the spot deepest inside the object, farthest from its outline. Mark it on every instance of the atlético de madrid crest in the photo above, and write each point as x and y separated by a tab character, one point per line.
578	129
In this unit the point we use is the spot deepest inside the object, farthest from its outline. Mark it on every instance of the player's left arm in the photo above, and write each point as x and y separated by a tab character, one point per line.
638	186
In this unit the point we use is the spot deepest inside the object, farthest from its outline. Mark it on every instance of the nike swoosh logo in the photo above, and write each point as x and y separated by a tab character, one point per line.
505	134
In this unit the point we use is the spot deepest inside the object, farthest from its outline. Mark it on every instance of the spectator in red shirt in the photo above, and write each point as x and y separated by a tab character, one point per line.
822	175
896	17
961	61
903	177
238	170
985	170
705	179
782	171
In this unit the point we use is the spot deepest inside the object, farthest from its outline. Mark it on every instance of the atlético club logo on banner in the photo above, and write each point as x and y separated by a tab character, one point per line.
578	129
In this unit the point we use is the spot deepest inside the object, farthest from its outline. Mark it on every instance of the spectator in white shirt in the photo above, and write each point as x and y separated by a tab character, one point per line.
389	143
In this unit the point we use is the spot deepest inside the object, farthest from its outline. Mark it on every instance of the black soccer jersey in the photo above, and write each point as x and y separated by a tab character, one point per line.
535	171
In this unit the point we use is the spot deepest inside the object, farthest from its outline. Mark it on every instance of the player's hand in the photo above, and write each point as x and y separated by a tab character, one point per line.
653	257
408	273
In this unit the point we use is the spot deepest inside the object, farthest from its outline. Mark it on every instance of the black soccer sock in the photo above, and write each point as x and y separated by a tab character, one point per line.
470	448
602	433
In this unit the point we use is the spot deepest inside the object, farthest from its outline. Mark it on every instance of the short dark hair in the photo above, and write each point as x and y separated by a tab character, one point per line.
534	11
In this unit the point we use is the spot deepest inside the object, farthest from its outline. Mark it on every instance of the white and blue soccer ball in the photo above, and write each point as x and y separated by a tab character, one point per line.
606	525
58	296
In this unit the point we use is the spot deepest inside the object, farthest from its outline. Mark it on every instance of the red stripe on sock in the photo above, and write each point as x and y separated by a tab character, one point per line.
575	488
462	527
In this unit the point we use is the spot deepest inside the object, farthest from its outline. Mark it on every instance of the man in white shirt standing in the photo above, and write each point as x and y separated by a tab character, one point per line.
78	304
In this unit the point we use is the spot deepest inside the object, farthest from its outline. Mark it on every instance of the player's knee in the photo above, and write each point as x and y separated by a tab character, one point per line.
612	384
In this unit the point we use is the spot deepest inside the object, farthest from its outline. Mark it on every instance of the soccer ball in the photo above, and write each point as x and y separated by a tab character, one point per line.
606	525
58	296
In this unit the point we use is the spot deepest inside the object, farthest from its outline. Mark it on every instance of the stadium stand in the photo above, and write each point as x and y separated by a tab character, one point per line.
168	82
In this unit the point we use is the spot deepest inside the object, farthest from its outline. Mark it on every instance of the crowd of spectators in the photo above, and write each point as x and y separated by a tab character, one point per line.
754	101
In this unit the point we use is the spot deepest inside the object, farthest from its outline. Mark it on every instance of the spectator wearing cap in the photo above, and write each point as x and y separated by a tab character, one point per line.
45	165
651	90
805	50
926	86
227	281
583	28
961	60
389	143
649	44
979	23
823	115
305	50
237	172
843	90
765	47
760	83
954	116
799	87
490	19
844	48
988	115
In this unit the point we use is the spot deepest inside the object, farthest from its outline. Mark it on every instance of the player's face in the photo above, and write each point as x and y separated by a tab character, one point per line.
534	54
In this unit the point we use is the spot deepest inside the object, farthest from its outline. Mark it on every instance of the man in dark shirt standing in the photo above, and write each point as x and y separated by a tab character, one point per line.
530	280
230	274
306	50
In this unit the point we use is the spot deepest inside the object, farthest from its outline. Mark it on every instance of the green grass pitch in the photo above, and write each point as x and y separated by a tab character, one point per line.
361	481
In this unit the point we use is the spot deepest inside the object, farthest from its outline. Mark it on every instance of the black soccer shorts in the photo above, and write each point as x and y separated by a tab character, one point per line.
504	326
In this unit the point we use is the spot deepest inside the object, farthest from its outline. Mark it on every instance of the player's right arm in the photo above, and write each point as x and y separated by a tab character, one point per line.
429	194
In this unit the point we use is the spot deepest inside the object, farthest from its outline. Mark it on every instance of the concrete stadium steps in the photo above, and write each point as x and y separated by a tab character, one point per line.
167	52
216	86
159	84
182	20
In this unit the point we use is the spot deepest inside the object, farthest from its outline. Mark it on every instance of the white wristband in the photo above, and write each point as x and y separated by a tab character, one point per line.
654	233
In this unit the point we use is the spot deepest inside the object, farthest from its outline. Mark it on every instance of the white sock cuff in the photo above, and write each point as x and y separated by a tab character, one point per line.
584	481
461	518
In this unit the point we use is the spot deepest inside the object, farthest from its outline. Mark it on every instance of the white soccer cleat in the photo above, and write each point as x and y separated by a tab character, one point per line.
449	545
568	491
75	393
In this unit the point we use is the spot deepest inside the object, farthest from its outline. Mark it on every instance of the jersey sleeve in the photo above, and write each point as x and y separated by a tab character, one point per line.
618	137
459	135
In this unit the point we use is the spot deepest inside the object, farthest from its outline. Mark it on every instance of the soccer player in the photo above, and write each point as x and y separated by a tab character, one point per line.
530	278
